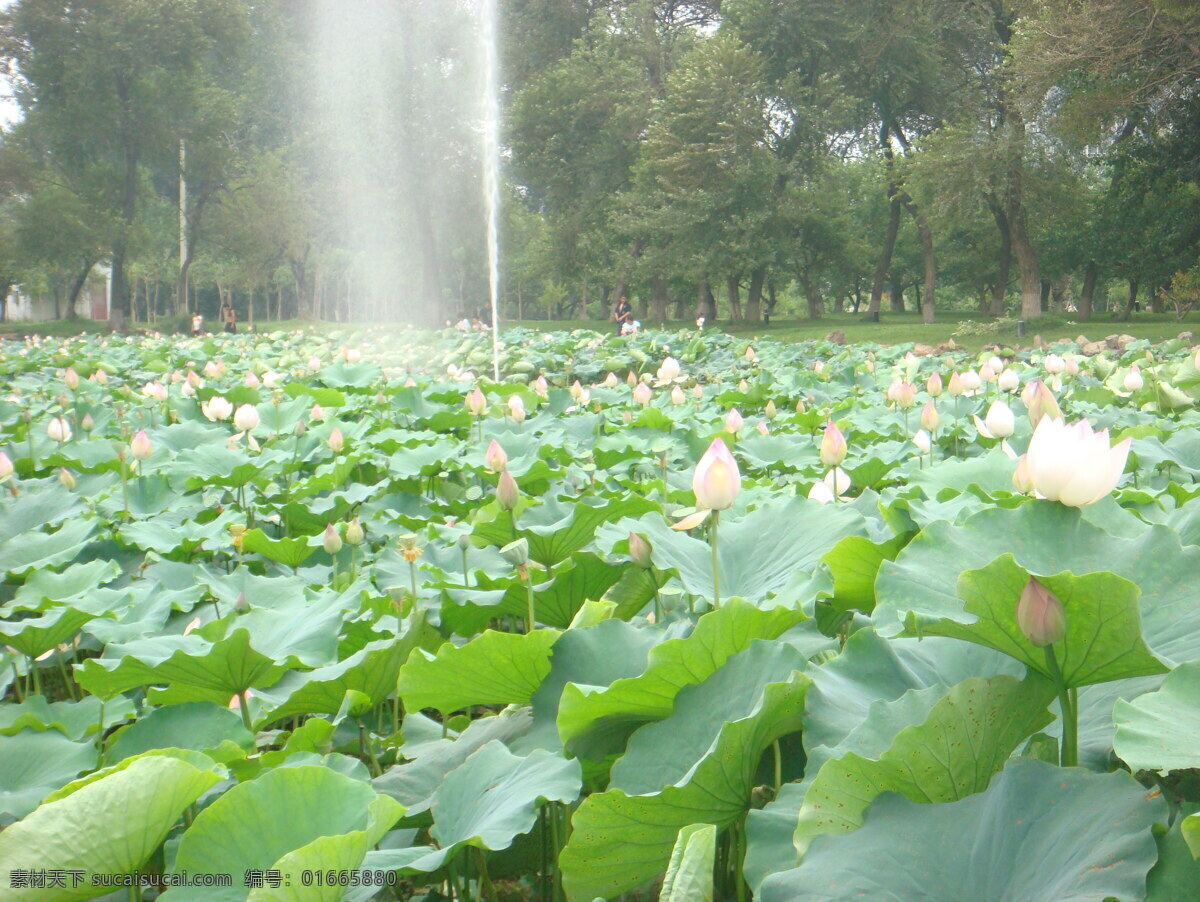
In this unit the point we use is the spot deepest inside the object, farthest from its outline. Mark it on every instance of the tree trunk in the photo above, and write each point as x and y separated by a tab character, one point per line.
1027	266
896	298
1130	302
754	297
1003	260
1156	302
1086	296
733	298
118	308
706	304
885	255
813	295
1044	295
929	295
772	298
76	287
658	299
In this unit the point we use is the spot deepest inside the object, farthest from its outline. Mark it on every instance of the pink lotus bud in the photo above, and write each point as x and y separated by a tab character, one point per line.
317	414
476	402
516	408
314	362
65	477
697	392
929	417
1042	405
410	382
6	466
214	369
1072	464
743	386
495	457
1040	615
971	381
59	430
750	355
631	379
955	388
353	355
1072	365
626	417
934	385
71	378
906	395
716	481
100	377
640	551
251	380
677	396
139	445
1133	379
642	394
986	373
331	541
87	424
246	418
762	427
770	410
733	421
507	493
610	381
833	446
336	441
540	386
576	389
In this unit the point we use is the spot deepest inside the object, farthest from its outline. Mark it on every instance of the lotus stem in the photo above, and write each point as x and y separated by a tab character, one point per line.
716	569
100	738
658	609
486	888
778	766
466	572
1067	703
529	618
67	683
17	683
245	709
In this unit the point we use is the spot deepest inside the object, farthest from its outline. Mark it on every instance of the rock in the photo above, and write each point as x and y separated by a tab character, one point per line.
1186	336
923	350
1081	340
837	336
946	346
1092	348
1039	342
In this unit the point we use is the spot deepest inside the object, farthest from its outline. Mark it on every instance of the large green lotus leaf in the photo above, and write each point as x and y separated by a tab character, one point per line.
75	720
596	721
854	564
290	819
424	459
493	796
1046	538
259	591
620	841
43	588
28	511
357	377
292	552
1103	632
1160	731
953	753
414	782
199	726
1176	876
690	872
33	764
38	550
493	669
663	753
34	636
194	668
1039	832
1191	833
111	825
217	465
991	474
372	671
559	528
761	553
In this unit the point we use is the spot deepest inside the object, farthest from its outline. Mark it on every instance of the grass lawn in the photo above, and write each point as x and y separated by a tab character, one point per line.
967	330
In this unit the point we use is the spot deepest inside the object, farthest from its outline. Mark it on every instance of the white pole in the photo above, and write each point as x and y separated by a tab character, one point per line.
183	215
491	171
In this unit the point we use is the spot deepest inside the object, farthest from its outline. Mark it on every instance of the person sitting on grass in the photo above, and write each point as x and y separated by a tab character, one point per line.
623	315
197	325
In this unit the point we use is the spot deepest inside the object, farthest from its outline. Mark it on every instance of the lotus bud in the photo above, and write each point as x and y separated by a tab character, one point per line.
379	398
1133	379
640	550
59	430
87	424
921	440
669	370
246	418
240	604
1042	405
733	421
336	441
541	386
751	357
1072	464
187	391
934	385
65	477
516	553
1000	420
237	532
697	392
6	466
626	417
576	390
214	369
631	379
1054	364
833	446
770	410
463	542
354	532
800	406
906	395
251	380
314	362
495	458
1072	365
971	381
1021	480
1040	615
584	397
410	382
1009	381
61	399
929	417
610	381
507	493
743	386
71	378
299	428
353	355
955	388
893	391
193	380
986	373
677	396
216	408
331	541
317	414
139	445
716	481
996	364
642	394
100	376
516	408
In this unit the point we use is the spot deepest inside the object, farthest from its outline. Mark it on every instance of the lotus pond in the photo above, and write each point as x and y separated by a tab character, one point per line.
676	616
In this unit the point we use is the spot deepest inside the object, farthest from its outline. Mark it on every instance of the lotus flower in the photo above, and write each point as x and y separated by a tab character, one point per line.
762	428
331	541
610	381
1021	479
999	423
251	380
476	402
6	466
354	532
540	386
955	388
584	397
717	480
640	550
507	493
1040	403
929	417
987	374
214	369
1072	365
677	396
733	421
1009	381
934	385
516	408
630	379
750	355
71	378
1054	364
1040	615
314	362
833	446
336	441
216	408
697	392
1133	380
669	370
902	393
821	493
155	390
59	430
642	394
971	381
87	424
770	410
246	418
271	379
65	478
352	355
837	481
100	377
495	458
1072	464
139	445
921	440
743	386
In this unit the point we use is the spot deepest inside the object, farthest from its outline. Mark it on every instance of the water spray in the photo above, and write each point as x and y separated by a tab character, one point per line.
491	170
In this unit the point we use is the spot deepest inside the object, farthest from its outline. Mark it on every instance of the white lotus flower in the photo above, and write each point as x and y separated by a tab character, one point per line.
246	418
216	408
999	422
59	430
1073	464
669	370
921	440
1133	380
1009	381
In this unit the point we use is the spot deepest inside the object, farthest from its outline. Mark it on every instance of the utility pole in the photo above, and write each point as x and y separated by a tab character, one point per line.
183	245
